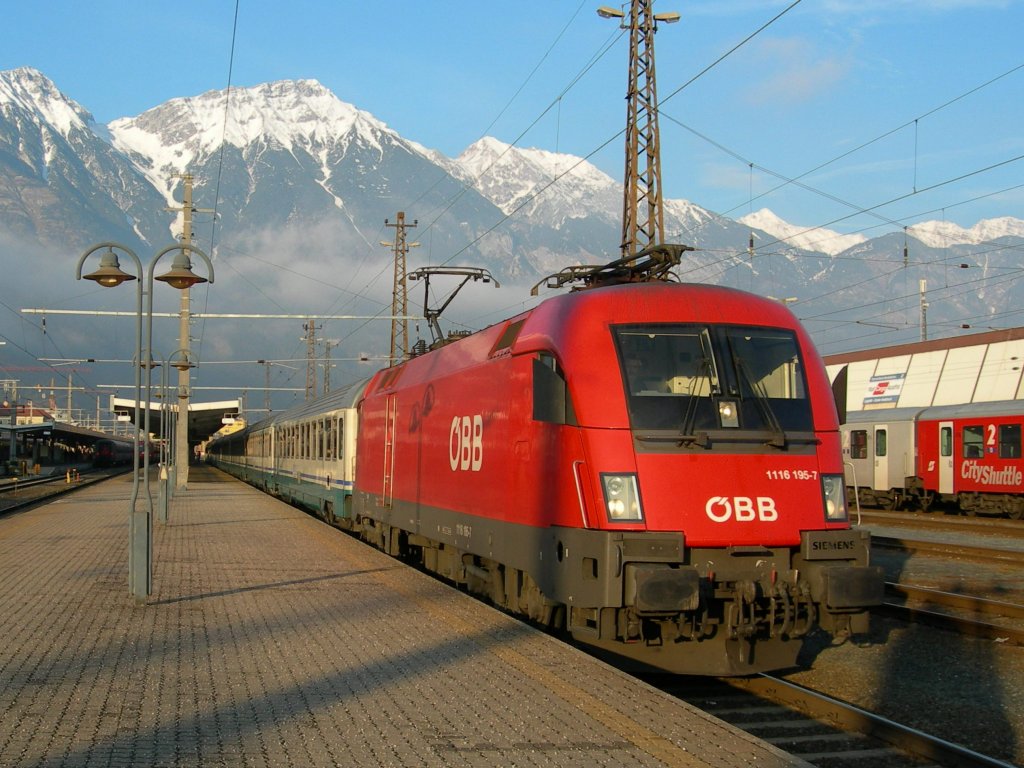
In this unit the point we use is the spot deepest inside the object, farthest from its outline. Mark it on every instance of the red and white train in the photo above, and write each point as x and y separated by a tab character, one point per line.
967	456
654	467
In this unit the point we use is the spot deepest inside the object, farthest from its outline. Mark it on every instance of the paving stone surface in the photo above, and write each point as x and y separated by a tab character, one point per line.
271	639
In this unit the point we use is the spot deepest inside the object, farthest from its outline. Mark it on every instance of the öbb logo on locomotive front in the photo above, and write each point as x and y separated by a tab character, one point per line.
741	508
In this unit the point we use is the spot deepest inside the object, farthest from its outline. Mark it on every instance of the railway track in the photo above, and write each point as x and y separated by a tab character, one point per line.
936	521
16	496
949	548
818	728
918	604
977	539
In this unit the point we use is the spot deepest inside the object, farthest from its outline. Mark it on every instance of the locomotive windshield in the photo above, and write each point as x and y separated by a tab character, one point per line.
696	379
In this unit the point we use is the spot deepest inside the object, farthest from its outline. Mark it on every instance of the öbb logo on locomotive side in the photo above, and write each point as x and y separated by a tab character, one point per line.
743	508
972	470
466	443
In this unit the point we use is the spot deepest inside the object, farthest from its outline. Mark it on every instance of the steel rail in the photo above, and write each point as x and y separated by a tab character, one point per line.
962	625
58	489
978	525
977	605
851	718
947	548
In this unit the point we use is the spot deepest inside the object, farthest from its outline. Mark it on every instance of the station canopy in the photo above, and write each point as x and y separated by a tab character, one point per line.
203	418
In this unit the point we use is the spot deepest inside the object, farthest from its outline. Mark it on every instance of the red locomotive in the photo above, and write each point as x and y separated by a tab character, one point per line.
653	466
967	455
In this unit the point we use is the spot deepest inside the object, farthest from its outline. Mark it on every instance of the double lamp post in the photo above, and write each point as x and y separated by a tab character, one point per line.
180	276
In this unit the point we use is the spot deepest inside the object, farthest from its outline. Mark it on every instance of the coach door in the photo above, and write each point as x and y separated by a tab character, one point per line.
390	420
881	452
945	457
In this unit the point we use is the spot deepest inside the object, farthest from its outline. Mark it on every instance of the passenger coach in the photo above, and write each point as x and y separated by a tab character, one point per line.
968	456
305	455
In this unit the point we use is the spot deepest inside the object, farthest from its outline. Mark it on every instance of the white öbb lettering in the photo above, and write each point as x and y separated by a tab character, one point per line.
466	443
744	509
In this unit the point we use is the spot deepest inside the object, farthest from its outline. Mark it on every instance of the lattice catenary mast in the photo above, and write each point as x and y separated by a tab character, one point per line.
399	296
643	220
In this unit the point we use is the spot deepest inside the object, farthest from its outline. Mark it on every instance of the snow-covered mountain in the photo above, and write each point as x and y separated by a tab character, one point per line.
810	238
934	234
537	183
300	118
299	176
61	180
939	234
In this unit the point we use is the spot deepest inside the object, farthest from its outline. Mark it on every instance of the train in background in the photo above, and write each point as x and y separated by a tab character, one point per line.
110	452
966	457
653	467
117	452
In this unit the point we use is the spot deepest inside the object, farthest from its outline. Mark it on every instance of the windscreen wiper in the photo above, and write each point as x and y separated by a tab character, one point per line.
778	436
690	417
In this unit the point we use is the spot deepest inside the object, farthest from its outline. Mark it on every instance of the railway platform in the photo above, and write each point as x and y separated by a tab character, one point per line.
271	639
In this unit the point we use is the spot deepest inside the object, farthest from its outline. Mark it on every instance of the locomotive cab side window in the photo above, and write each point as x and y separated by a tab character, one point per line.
974	441
551	401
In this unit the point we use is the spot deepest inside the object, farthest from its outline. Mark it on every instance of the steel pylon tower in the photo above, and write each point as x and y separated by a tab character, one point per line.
399	295
310	328
643	219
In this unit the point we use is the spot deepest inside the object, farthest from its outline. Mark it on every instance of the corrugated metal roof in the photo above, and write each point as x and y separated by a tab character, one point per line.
932	345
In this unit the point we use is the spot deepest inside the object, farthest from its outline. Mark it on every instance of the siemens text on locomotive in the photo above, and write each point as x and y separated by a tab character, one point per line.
654	467
965	456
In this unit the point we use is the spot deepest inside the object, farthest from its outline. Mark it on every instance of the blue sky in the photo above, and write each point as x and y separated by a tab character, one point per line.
824	79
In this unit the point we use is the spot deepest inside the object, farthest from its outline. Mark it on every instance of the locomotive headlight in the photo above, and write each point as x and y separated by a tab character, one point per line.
833	492
727	414
622	498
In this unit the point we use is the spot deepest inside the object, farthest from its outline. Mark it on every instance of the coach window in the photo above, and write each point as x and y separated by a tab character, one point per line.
859	444
974	442
1009	441
881	442
946	441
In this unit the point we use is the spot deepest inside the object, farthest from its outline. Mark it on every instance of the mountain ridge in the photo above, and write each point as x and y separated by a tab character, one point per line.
302	175
164	141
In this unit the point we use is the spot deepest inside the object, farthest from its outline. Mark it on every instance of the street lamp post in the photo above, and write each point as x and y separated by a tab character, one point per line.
180	276
110	275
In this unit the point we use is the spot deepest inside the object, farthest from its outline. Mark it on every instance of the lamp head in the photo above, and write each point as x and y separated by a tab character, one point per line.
181	275
110	273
